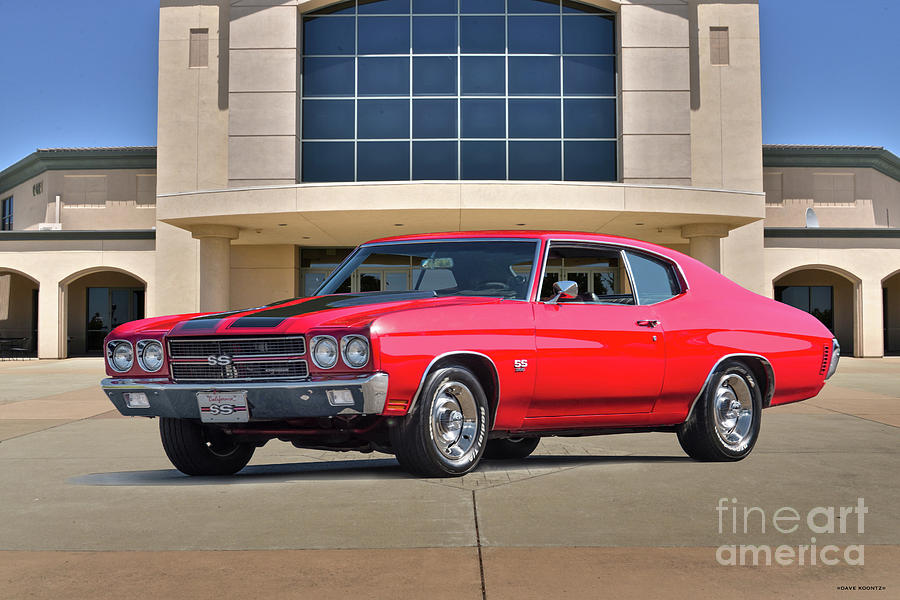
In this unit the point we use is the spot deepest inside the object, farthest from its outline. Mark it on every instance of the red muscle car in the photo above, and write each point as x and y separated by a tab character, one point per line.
446	348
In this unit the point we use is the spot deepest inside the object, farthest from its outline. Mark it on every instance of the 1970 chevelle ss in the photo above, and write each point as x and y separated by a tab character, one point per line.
446	348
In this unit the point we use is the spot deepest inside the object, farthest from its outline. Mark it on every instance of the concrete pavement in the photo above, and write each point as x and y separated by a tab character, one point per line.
90	507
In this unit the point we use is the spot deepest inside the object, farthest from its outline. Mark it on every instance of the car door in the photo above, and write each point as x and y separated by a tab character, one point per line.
602	352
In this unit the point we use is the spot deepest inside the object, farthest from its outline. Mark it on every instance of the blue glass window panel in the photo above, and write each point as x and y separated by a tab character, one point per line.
588	34
434	35
327	161
535	161
483	160
434	118
382	119
533	76
534	35
329	36
481	6
434	75
533	6
383	35
483	76
483	118
570	6
589	75
341	8
383	7
382	161
382	76
534	118
590	161
589	118
482	35
434	160
424	7
328	76
327	119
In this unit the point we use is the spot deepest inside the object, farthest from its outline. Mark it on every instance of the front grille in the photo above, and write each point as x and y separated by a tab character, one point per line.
249	358
240	371
237	347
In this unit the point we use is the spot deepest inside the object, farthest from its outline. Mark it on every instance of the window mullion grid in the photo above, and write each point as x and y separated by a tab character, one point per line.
458	92
410	91
562	104
356	93
506	80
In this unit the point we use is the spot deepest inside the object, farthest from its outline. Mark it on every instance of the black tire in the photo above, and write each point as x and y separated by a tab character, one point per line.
195	449
510	449
424	441
707	434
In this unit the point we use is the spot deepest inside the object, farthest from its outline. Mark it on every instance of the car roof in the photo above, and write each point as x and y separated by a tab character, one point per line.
535	235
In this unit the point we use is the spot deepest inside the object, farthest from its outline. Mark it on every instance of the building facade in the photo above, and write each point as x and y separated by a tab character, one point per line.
290	131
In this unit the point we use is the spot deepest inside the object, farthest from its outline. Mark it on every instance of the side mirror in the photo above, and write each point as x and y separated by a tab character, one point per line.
564	290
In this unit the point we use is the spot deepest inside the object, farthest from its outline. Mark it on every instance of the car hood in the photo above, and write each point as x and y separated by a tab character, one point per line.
302	314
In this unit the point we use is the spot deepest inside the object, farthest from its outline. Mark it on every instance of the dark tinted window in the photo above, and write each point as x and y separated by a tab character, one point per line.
328	161
382	161
655	279
550	65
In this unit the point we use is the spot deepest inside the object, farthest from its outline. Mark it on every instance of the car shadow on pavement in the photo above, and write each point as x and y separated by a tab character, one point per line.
350	470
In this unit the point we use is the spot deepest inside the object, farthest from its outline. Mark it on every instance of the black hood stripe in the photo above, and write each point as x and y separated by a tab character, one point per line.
276	315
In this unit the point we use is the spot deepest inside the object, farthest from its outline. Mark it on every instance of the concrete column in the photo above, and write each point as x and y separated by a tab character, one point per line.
870	320
215	265
705	242
51	320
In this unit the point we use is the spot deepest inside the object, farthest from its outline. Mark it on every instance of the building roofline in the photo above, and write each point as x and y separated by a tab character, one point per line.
832	232
77	234
874	157
45	159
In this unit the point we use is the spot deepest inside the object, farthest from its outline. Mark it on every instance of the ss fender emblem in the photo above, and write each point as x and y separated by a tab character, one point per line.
520	364
222	361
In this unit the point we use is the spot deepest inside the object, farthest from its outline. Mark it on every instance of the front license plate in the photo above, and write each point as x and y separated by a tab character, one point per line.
223	407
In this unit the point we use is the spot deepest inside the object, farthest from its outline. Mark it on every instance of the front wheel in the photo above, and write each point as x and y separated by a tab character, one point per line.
725	422
445	434
197	449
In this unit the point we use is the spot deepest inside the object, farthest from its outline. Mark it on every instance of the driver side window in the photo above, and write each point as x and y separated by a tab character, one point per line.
599	272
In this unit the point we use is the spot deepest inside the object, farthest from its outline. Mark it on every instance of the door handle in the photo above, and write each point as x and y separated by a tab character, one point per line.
648	323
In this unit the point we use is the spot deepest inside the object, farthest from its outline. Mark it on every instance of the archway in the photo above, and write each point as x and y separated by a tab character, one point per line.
828	293
18	314
96	301
890	297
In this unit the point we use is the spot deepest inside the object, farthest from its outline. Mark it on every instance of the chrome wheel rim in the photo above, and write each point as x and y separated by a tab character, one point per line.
733	410
454	421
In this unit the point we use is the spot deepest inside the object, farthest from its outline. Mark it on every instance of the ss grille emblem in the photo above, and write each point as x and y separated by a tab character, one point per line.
221	361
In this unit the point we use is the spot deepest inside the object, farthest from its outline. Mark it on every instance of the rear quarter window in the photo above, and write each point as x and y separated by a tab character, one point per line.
655	280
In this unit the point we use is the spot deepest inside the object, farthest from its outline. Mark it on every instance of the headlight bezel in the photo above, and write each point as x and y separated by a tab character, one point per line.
141	351
111	347
345	343
313	345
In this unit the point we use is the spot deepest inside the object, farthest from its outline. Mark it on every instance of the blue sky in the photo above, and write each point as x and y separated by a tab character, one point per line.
83	73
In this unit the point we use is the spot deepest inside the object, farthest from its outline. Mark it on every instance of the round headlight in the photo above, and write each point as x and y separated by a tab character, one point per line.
150	355
324	351
355	350
121	356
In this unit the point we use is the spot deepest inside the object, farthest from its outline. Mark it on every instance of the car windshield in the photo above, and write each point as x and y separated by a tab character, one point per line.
500	268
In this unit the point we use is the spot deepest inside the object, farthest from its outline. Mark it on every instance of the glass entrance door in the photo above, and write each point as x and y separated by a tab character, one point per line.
107	308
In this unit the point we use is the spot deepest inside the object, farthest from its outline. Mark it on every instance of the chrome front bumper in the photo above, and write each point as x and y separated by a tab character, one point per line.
266	400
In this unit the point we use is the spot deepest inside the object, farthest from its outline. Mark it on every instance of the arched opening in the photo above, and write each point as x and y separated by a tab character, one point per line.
827	293
890	302
97	301
18	314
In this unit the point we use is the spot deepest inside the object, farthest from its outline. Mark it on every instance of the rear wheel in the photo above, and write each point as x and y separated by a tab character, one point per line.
725	422
445	434
511	448
197	449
